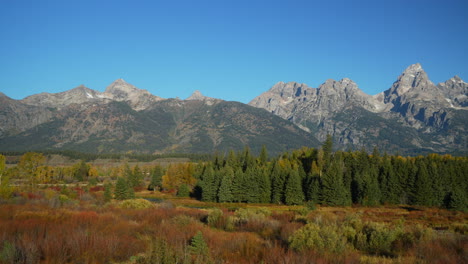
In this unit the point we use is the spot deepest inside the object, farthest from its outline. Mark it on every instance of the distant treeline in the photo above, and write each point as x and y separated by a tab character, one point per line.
115	156
335	178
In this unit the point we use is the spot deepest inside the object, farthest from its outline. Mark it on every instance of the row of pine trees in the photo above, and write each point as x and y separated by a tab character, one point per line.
334	178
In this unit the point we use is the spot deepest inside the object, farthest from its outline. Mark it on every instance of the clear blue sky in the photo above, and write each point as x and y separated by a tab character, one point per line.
233	50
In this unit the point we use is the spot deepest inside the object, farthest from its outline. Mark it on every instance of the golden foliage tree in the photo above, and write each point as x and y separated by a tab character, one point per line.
178	174
29	167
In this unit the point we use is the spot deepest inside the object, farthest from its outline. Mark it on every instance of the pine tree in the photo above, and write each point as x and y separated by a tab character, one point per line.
327	148
278	180
107	192
265	186
251	185
263	158
137	176
293	193
121	189
225	191
198	245
184	191
238	192
457	200
333	190
422	188
247	159
209	189
156	178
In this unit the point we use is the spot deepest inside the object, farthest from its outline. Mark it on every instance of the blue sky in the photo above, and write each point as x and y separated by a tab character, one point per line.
233	50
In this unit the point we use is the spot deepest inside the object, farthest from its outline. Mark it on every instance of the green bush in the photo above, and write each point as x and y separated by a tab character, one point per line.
135	204
377	239
8	253
244	215
214	217
184	191
320	238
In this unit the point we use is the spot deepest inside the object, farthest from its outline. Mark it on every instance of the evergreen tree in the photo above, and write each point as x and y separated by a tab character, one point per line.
184	191
327	148
121	189
247	159
371	190
293	193
107	192
200	249
457	200
422	188
390	187
225	191
333	190
238	192
278	180
156	178
265	186
263	158
251	185
208	185
81	170
137	176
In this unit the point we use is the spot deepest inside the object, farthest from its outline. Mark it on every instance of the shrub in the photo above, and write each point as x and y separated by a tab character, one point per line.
377	239
184	191
244	215
136	204
8	253
319	238
215	217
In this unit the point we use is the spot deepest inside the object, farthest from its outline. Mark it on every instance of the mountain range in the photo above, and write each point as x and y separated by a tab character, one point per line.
413	116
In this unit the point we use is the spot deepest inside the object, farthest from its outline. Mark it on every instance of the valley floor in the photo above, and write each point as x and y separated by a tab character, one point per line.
48	226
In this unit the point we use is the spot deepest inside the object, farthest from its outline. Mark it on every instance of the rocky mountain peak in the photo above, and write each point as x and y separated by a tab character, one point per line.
119	86
455	91
290	90
197	95
456	79
414	83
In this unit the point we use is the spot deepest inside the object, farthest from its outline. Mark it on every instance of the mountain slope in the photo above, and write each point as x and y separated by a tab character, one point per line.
413	116
172	125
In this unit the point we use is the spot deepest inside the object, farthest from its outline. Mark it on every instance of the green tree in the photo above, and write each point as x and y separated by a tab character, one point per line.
184	191
456	200
265	185
263	158
156	178
327	148
225	189
137	176
208	185
333	189
81	171
2	167
293	193
122	190
107	192
278	181
423	186
28	167
198	245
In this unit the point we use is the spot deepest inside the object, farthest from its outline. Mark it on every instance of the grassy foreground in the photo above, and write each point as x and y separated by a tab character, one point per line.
49	226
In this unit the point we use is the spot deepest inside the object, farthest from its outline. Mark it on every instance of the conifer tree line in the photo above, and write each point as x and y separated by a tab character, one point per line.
334	178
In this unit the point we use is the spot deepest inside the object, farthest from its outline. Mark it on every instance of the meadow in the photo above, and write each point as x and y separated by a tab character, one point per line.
48	226
61	211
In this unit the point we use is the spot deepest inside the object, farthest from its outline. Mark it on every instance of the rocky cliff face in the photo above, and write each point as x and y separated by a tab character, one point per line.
455	91
125	118
413	104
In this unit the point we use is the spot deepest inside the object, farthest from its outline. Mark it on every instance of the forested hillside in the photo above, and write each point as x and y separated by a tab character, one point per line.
336	178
